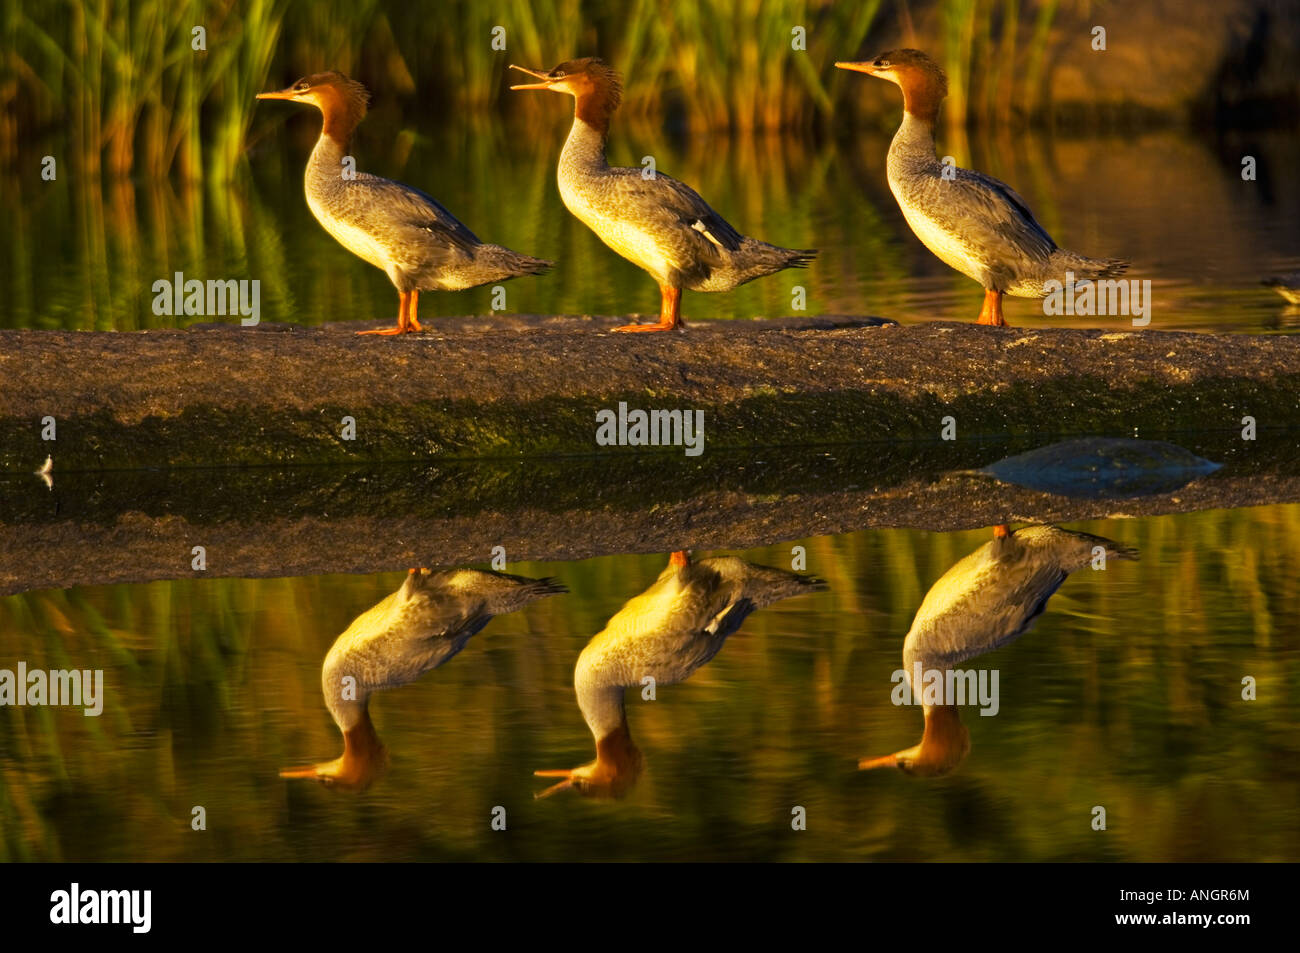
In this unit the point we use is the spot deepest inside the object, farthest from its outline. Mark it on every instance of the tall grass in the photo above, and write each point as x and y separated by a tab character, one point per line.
135	97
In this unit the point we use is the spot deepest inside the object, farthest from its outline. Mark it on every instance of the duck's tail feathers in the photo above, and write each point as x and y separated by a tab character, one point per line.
1116	550
798	257
1087	543
531	589
765	585
1084	268
510	264
549	586
503	592
755	259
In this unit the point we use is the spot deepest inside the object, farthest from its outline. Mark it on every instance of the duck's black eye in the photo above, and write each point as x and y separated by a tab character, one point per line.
557	74
301	86
880	62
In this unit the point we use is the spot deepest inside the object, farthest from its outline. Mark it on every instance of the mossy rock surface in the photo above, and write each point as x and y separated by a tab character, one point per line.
483	434
519	387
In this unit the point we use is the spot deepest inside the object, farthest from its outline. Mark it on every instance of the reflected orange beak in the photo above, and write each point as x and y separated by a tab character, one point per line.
887	761
546	80
344	773
554	788
863	67
282	94
364	759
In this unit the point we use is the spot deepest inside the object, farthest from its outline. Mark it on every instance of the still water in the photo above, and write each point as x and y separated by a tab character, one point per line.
85	254
1127	694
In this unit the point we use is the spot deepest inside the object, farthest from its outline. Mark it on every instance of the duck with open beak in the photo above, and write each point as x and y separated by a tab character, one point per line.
659	224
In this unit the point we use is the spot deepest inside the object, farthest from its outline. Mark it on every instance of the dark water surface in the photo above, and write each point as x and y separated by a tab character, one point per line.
85	254
1127	695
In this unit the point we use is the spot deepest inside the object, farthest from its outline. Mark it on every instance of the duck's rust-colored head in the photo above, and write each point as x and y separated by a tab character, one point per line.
922	80
597	87
342	101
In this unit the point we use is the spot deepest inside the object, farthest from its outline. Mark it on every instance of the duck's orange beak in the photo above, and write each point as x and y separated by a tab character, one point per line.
546	80
282	94
863	67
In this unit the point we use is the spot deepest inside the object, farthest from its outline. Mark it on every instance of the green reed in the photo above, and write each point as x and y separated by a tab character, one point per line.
133	95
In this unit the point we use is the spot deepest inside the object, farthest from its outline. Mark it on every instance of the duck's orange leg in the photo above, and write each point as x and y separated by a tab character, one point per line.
680	558
670	312
404	312
991	312
1001	531
411	323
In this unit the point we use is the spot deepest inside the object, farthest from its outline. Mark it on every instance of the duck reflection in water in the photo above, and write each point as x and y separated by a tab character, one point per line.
986	600
666	633
417	628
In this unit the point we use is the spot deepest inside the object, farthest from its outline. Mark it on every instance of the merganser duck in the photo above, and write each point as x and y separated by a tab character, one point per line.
666	633
987	600
655	222
971	221
414	630
418	243
1288	286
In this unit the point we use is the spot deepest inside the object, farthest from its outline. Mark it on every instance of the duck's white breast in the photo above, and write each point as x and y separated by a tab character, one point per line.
633	242
355	239
950	248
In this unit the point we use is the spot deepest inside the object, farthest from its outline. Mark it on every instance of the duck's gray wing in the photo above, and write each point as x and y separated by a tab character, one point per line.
669	205
987	213
384	206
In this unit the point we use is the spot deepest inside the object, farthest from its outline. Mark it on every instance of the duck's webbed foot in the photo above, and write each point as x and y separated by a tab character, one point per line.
670	313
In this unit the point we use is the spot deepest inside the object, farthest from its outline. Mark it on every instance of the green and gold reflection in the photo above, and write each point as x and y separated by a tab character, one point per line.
988	599
84	254
1128	695
408	633
661	637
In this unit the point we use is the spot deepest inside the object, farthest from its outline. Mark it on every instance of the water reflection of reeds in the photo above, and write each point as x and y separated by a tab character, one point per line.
1127	694
84	252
